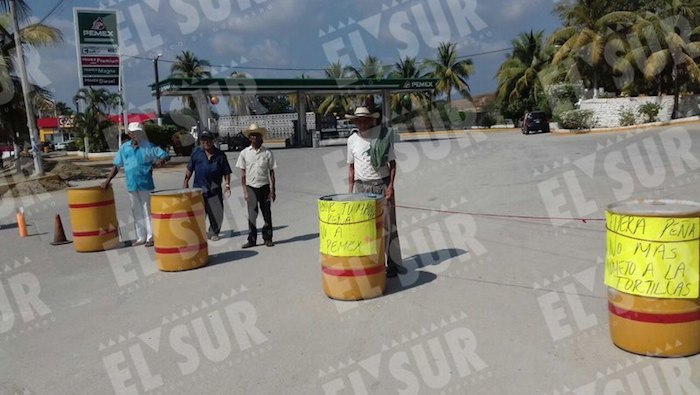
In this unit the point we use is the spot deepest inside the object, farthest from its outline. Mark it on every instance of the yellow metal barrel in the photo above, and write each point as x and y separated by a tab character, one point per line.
93	218
652	276
352	246
178	229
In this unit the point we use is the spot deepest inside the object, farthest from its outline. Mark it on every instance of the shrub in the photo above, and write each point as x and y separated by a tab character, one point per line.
650	111
161	136
627	117
577	119
487	120
559	108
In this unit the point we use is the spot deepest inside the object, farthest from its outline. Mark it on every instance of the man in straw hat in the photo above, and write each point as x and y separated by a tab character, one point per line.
258	166
210	167
372	169
137	157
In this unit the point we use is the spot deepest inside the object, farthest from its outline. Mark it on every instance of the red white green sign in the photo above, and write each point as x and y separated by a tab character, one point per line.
97	40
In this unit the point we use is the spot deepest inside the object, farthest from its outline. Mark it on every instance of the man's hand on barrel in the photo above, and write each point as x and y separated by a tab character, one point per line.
389	193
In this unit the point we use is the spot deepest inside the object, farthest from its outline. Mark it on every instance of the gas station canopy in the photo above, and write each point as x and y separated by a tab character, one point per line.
200	89
282	86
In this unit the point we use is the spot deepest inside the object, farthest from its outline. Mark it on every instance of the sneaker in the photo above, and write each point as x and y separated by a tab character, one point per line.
391	272
138	242
269	243
149	243
214	238
248	245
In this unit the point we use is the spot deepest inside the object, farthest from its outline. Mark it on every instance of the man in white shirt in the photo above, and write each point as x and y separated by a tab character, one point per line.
258	166
364	176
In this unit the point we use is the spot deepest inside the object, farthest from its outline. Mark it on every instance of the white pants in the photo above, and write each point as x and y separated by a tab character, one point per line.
141	209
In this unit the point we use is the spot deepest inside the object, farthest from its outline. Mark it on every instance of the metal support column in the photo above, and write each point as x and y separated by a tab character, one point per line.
386	107
301	119
202	104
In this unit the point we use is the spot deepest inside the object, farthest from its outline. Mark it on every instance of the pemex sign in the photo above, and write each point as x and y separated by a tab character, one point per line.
97	41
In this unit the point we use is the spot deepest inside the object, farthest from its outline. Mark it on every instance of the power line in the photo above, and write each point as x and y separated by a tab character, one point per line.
298	68
52	10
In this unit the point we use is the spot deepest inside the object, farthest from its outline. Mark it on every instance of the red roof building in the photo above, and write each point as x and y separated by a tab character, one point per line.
61	126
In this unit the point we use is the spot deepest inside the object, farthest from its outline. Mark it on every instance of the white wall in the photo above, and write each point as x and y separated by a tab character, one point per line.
607	111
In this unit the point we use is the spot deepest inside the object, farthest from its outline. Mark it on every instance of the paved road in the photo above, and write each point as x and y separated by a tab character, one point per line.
489	304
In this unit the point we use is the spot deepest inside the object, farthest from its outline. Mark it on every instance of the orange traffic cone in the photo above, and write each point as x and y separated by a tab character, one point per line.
21	223
59	236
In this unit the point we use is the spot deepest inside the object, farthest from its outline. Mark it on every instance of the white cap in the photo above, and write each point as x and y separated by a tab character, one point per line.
135	126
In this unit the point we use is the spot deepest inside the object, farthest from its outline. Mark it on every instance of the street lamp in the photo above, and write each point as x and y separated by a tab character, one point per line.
155	70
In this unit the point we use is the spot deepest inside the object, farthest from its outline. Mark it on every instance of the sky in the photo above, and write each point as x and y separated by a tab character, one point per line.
285	38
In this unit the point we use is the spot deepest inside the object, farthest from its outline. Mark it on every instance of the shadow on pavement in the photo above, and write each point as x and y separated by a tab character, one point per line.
8	226
235	233
310	236
230	256
413	277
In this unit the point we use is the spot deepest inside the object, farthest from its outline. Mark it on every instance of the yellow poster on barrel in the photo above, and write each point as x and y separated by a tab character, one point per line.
653	256
348	228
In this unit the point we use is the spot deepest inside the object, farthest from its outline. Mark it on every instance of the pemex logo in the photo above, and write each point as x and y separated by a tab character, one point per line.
98	24
99	29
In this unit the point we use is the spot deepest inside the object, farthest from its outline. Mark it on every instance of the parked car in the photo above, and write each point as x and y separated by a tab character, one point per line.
63	145
535	121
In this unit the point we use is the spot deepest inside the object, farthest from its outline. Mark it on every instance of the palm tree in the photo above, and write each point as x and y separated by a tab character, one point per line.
92	121
450	71
406	68
239	104
589	26
519	77
33	35
188	65
335	104
370	68
311	102
674	53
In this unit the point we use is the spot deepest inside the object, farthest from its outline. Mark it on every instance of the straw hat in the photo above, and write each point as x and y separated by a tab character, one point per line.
254	128
362	112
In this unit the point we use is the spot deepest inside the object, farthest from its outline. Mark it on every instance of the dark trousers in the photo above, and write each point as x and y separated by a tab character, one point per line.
214	206
259	197
393	247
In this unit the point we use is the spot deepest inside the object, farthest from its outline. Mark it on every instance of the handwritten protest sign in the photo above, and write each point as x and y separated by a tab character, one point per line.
653	256
348	228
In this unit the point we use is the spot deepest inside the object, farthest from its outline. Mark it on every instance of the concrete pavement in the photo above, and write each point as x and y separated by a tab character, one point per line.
489	305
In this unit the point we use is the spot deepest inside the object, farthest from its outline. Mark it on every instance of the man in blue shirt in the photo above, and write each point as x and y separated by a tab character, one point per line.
210	166
137	157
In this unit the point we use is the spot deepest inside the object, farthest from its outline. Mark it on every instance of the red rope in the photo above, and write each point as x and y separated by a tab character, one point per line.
506	216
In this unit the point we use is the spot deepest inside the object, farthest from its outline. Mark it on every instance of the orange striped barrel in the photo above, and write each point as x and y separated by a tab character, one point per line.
352	246
178	229
652	277
93	218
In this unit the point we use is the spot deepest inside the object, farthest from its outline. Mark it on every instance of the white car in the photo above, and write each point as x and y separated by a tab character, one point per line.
61	145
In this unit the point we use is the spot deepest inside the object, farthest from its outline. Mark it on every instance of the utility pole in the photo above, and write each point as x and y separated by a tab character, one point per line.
155	71
31	120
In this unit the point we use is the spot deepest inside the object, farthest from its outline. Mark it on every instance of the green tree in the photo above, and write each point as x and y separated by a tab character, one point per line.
520	85
238	104
370	68
666	48
12	117
311	102
92	121
590	26
451	72
187	65
404	104
335	104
